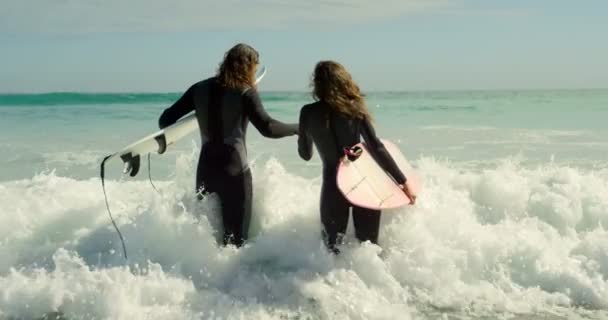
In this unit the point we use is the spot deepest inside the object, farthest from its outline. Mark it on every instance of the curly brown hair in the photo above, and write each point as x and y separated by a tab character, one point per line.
237	70
333	85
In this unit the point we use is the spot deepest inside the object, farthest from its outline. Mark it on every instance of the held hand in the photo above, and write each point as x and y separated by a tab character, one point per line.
409	194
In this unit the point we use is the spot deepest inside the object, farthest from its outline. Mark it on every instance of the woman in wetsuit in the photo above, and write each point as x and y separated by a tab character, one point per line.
224	106
336	121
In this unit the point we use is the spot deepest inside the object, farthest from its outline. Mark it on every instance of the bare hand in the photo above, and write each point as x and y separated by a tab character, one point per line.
409	194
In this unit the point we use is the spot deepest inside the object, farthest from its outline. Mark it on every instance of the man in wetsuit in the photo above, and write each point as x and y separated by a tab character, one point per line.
224	106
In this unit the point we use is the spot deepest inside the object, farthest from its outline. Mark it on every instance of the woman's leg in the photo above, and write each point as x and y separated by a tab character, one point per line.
367	224
334	214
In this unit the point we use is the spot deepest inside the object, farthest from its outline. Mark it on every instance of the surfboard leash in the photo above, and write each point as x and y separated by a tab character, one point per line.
103	186
150	175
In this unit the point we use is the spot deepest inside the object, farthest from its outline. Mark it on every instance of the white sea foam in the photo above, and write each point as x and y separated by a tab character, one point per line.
494	242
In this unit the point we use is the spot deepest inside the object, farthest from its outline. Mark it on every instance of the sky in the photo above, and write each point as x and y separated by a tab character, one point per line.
388	45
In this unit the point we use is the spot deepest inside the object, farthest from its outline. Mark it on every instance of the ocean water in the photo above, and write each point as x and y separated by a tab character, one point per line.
511	224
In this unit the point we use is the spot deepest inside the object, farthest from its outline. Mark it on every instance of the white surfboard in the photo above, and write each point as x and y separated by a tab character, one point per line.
365	184
160	140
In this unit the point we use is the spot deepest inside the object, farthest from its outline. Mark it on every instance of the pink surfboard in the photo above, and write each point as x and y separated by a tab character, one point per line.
365	184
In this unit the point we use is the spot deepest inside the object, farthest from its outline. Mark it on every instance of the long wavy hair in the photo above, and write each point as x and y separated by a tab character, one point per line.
237	70
333	85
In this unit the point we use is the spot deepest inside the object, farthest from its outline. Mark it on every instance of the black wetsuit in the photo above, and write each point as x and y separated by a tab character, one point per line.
223	115
331	132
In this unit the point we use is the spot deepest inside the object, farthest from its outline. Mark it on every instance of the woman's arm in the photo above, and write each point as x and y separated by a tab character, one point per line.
379	152
304	138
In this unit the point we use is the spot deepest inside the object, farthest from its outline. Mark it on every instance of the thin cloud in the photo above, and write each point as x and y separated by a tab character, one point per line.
82	16
509	13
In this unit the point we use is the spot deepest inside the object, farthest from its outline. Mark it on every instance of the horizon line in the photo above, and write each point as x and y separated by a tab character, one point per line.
308	91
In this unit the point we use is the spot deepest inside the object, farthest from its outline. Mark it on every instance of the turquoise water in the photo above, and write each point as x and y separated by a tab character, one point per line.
510	223
70	132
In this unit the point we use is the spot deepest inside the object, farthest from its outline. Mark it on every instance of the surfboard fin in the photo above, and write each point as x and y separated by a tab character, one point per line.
132	164
162	143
